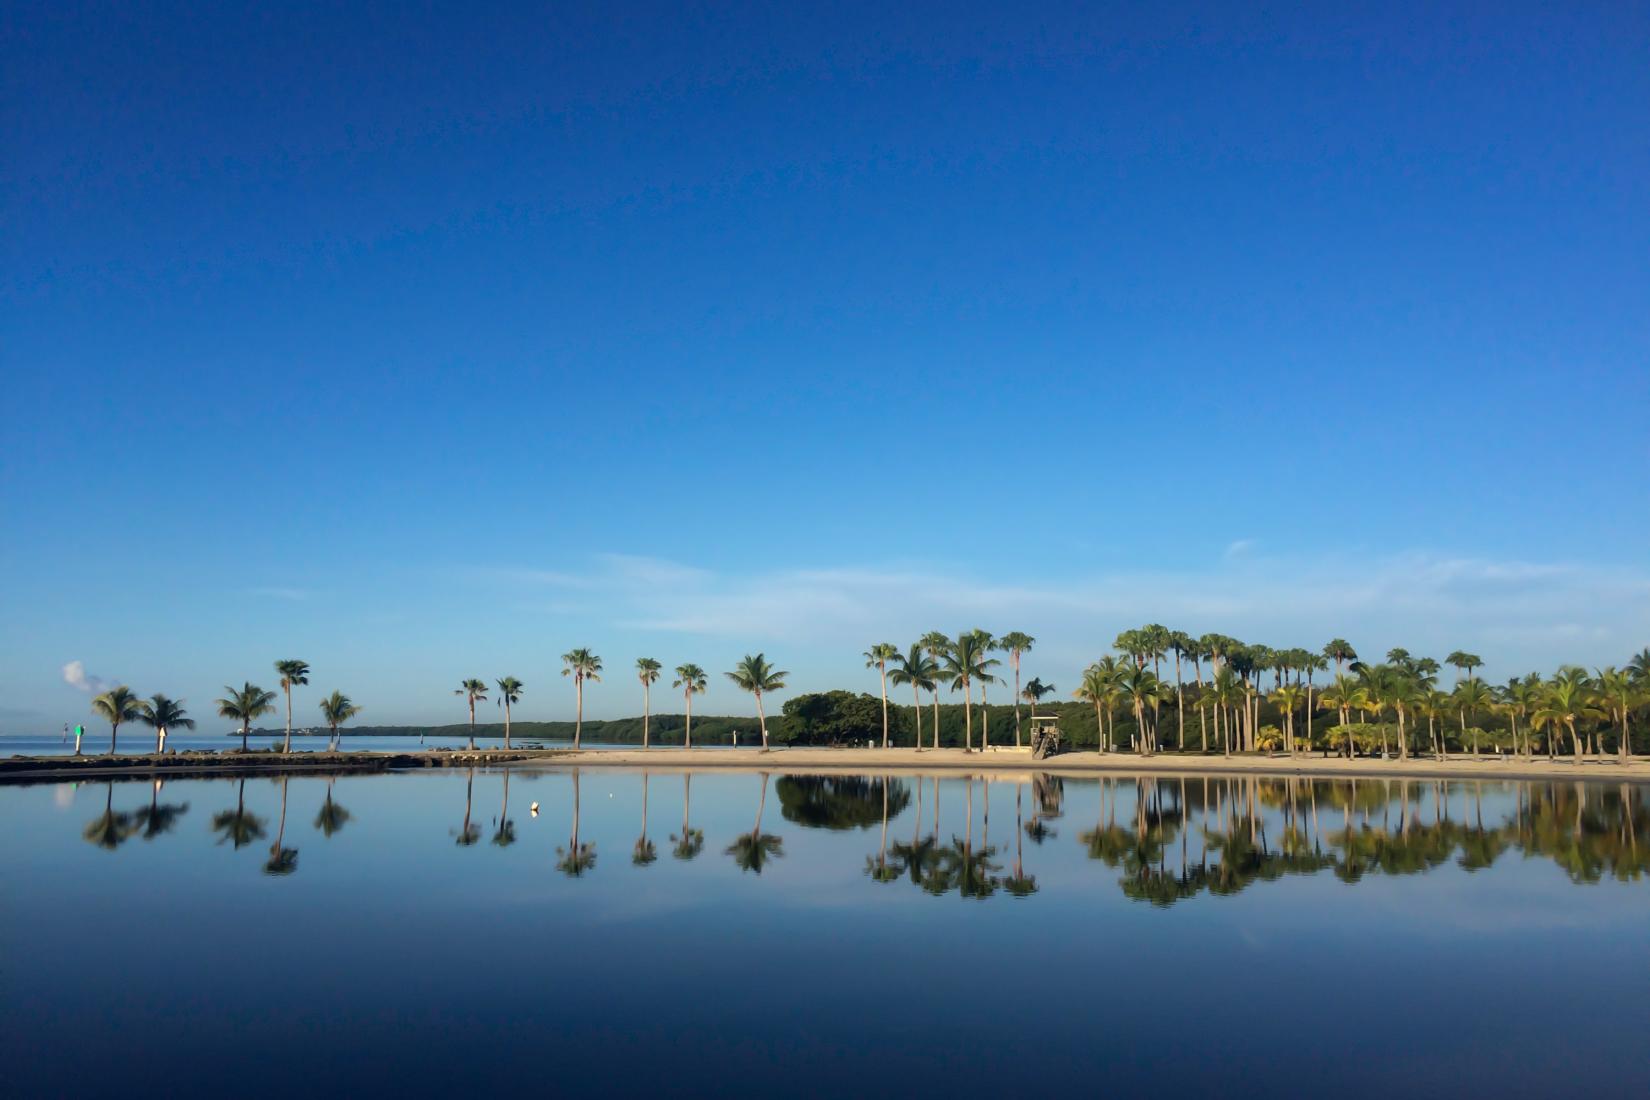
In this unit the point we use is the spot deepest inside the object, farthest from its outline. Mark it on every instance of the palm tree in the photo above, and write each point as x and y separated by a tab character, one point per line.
877	657
1035	691
1142	687
987	644
115	706
161	714
936	643
245	705
963	662
336	709
1568	701
282	860
473	690
756	676
1288	700
238	826
582	665
692	680
917	669
647	671
1018	644
1181	645
1096	689
1471	696
1464	662
1340	651
1224	695
1638	666
291	672
509	693
1620	695
1310	663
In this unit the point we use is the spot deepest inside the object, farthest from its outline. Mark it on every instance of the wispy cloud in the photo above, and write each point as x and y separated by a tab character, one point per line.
1238	547
76	676
1519	614
293	595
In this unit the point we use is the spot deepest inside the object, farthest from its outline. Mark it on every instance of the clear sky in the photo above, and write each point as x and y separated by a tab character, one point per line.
424	346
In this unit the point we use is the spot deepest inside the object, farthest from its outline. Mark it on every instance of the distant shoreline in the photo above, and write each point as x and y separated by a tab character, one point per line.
21	769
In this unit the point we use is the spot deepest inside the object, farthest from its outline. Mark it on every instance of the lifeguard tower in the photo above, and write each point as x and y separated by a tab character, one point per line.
1046	739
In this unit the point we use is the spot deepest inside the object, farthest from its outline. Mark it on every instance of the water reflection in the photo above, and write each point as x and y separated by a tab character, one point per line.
238	826
754	850
690	841
1168	839
331	817
577	858
282	860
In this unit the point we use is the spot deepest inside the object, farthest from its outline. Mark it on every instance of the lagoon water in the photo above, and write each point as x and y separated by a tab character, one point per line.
729	932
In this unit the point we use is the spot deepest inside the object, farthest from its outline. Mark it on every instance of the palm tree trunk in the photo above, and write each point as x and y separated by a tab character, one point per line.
506	727
647	711
287	746
578	719
936	694
114	728
1014	659
762	721
916	709
985	720
472	723
1099	729
246	726
968	717
1179	708
883	669
687	736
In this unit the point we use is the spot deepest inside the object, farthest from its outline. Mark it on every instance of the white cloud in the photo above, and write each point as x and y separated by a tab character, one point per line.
75	675
1518	615
1239	547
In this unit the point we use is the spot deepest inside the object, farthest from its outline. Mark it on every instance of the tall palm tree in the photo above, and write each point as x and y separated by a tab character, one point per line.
582	665
1638	666
245	705
1310	663
1226	691
1288	700
963	662
1471	696
1620	695
936	643
115	706
1340	651
1035	691
473	691
336	709
161	714
509	693
877	657
1182	646
755	675
917	669
1569	699
1018	644
988	644
1142	688
1464	662
1095	689
292	672
647	671
692	680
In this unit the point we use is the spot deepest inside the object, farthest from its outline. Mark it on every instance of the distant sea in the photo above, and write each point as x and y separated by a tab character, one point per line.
96	742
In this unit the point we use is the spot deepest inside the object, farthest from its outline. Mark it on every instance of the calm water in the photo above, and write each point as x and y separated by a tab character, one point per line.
96	742
766	935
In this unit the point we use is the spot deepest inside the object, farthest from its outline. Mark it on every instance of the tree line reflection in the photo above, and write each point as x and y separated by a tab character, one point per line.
1169	839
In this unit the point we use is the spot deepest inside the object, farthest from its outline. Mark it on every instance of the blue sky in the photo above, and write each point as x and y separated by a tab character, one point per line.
432	347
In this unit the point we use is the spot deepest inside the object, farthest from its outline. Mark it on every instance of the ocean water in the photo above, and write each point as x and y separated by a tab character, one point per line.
770	934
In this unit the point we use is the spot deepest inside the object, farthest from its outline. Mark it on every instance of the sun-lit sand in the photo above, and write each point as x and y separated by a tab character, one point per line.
1087	762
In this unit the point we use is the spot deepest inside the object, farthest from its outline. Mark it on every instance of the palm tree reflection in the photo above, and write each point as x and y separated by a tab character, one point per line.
753	850
281	861
238	826
331	817
157	817
690	841
643	852
576	858
109	830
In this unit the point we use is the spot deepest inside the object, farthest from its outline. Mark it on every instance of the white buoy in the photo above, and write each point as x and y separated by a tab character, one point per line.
533	809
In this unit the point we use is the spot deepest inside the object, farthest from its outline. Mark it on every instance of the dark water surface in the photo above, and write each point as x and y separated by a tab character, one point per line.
1219	936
